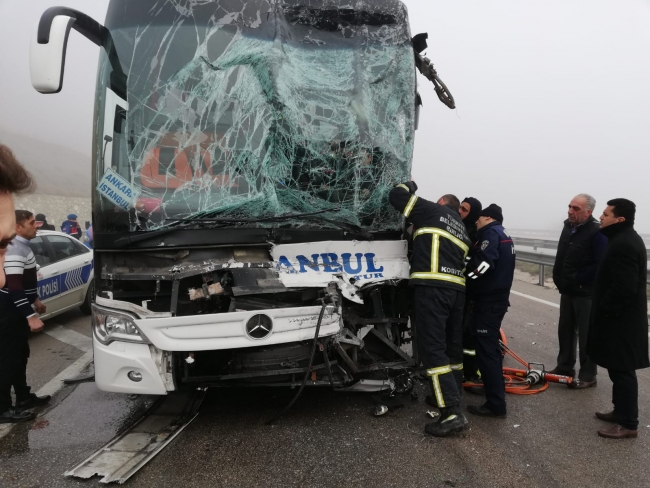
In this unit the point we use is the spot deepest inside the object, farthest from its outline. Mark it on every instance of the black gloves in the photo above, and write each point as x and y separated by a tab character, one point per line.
411	186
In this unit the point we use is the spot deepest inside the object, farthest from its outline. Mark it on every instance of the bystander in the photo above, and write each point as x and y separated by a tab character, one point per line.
13	179
618	331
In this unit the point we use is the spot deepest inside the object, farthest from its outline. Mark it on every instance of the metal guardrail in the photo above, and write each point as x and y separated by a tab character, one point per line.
535	243
541	259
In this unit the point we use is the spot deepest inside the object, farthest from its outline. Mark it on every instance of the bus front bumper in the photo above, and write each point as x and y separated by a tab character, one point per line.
125	367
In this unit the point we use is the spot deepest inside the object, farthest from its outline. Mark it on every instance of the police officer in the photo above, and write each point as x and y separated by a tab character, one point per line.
71	226
440	244
491	268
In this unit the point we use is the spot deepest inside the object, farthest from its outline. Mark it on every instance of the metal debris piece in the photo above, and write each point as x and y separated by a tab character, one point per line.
198	293
370	386
122	457
380	410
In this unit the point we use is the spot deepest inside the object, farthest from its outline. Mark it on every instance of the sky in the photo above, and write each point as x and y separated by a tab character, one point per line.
552	100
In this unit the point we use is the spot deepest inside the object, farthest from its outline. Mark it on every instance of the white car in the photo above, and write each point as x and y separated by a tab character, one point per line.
65	272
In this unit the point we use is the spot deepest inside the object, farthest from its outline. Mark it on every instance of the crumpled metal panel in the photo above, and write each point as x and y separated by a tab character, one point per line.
262	108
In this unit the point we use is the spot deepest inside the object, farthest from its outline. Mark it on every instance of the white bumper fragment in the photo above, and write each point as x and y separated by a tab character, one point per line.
114	362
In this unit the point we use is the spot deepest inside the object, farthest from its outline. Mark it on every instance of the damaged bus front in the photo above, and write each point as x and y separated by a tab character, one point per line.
243	155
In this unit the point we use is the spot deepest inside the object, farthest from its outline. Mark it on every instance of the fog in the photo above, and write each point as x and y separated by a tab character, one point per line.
552	100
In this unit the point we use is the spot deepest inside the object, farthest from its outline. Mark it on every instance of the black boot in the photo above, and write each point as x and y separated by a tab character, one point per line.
33	401
451	421
12	416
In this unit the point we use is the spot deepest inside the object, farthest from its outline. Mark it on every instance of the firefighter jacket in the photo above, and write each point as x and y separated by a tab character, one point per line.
491	264
440	241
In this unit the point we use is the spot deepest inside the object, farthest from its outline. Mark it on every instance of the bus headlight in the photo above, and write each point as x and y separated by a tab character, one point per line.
109	326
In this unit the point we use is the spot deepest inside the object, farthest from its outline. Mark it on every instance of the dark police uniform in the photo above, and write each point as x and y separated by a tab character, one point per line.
440	244
491	269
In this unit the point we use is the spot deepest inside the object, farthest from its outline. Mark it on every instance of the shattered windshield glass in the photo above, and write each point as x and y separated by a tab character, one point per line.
254	109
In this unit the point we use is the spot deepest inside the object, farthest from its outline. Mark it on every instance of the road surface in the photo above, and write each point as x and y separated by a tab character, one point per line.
332	439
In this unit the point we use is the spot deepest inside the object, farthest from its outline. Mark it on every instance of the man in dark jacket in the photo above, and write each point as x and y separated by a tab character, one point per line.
579	252
470	210
44	225
618	331
490	271
440	244
13	179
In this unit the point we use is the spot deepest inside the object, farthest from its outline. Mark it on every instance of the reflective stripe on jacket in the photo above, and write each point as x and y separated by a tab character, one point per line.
491	264
440	241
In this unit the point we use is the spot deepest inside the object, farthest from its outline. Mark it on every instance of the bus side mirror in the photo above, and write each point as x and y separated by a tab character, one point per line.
50	41
47	60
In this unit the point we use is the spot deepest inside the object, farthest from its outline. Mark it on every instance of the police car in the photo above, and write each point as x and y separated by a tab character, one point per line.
65	272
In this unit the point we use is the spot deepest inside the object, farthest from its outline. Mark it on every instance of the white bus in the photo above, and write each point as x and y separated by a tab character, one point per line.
243	155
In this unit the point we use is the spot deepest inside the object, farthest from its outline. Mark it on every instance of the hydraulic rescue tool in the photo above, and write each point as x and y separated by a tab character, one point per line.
520	381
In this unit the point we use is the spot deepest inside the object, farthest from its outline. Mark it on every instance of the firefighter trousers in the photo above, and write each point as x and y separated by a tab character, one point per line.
439	322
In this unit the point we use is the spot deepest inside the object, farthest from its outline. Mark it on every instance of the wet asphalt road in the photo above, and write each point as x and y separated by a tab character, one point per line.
331	439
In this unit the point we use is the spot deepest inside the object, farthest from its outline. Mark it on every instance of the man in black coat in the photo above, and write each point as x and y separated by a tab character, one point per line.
579	252
618	332
470	211
44	225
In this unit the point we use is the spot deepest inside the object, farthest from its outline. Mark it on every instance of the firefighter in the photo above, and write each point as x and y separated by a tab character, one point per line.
440	244
490	268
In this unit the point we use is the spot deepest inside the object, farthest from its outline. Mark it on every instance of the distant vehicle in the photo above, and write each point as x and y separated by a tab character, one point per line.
65	272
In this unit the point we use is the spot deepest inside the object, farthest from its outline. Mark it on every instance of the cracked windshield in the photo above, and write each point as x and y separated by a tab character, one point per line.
254	110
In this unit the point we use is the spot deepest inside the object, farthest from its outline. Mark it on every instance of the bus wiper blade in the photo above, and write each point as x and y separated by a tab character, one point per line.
279	218
185	223
125	241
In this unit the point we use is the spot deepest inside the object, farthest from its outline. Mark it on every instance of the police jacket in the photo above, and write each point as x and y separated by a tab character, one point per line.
491	264
71	228
579	252
440	241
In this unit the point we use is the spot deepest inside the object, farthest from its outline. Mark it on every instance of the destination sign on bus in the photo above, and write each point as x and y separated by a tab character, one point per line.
117	190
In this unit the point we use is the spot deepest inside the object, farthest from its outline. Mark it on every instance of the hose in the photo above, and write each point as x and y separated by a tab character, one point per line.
516	381
326	360
307	372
